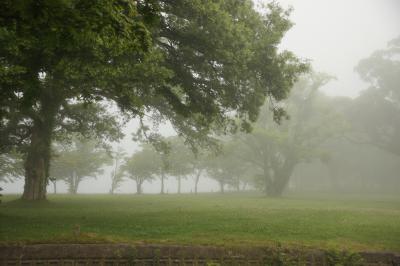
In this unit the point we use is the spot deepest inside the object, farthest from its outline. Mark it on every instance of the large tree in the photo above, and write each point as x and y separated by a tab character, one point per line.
194	63
375	114
275	150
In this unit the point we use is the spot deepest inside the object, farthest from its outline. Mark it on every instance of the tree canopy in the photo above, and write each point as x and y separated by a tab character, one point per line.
376	112
76	161
202	65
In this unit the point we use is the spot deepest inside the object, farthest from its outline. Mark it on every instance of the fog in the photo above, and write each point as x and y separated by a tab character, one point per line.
334	36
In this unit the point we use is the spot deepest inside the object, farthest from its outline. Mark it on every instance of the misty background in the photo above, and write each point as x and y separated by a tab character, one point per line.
334	36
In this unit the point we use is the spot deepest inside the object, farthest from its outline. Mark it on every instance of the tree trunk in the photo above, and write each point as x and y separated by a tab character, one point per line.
267	180
222	187
162	183
179	184
238	186
139	187
37	163
74	183
281	178
55	187
196	181
114	176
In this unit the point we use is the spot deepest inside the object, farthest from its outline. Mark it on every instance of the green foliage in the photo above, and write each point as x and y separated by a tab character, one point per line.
375	113
11	166
227	167
275	150
193	63
76	161
142	166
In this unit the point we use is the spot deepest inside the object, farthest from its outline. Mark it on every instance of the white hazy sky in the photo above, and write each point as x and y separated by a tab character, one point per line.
333	34
336	34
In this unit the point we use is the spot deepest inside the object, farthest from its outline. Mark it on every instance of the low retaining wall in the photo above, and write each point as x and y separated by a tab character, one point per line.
124	254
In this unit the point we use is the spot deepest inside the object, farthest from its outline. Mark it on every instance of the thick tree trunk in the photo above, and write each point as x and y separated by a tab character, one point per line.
37	163
281	178
139	187
73	183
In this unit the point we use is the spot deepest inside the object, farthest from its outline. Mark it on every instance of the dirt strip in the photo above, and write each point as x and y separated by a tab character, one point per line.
126	254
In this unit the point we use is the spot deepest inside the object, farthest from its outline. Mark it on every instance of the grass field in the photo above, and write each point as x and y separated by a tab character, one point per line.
354	223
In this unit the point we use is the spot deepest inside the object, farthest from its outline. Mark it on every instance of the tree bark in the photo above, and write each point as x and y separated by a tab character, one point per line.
222	187
281	178
179	184
55	187
139	187
196	181
73	183
37	163
162	183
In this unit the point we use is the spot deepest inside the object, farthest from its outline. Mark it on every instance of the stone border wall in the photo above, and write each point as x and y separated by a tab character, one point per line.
124	254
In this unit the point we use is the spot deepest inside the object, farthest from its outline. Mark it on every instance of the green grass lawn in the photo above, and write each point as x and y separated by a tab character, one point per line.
354	223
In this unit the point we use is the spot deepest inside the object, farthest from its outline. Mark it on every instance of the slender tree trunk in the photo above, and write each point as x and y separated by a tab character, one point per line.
55	186
74	181
37	163
179	184
222	186
196	181
267	180
162	183
114	181
238	186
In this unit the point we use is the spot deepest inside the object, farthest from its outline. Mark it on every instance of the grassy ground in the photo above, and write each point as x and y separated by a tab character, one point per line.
354	223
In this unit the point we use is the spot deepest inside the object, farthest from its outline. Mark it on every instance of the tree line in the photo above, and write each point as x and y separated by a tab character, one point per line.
73	72
318	129
65	66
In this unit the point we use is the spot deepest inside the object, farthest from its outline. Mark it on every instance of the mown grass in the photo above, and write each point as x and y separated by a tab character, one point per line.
354	223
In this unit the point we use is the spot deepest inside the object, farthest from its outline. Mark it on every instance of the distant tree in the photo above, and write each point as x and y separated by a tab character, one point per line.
198	164
193	63
141	166
179	157
78	160
375	114
184	160
275	150
116	174
226	167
